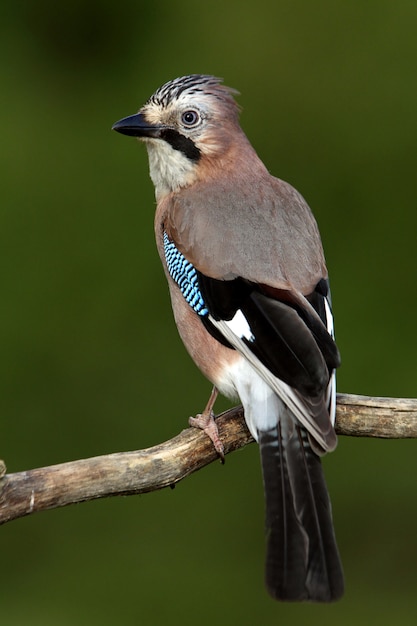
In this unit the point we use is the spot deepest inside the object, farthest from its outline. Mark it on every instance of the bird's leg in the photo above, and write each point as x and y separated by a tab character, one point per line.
206	422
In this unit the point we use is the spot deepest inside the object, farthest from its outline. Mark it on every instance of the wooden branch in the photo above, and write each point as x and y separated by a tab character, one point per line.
128	473
386	418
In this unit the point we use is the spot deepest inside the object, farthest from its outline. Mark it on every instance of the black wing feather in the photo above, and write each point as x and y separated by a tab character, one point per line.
289	339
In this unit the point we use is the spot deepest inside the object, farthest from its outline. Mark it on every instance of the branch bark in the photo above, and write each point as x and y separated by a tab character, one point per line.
129	473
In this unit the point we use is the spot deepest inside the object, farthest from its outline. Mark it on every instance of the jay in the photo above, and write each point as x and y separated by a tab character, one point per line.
250	294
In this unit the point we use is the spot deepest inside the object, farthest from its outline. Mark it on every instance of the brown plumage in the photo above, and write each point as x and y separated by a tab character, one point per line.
249	289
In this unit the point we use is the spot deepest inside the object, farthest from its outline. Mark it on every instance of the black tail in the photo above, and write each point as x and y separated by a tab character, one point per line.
302	561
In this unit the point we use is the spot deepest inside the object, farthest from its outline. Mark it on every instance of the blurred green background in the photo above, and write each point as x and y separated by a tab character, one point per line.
90	358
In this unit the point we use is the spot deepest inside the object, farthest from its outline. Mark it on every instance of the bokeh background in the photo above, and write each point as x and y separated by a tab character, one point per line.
90	359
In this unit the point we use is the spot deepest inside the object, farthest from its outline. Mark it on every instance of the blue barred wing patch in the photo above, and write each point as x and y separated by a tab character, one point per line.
185	275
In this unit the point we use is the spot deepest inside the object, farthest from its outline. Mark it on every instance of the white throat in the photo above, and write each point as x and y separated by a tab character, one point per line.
169	169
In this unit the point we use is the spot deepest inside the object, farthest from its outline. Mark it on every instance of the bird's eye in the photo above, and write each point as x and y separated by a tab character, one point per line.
190	118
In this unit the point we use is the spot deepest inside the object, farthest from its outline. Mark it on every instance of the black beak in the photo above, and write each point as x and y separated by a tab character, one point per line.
137	126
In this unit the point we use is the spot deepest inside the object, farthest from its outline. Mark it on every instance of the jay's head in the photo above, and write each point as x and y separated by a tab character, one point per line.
190	127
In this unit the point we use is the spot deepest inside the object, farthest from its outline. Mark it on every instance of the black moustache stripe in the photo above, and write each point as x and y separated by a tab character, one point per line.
181	143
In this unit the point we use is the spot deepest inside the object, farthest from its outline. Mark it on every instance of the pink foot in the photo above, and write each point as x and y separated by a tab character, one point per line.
206	422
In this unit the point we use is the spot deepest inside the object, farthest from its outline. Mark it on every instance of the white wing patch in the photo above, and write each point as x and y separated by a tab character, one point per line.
240	327
329	318
331	388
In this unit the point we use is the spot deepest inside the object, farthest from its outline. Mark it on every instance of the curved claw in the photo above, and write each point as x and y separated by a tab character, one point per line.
206	422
